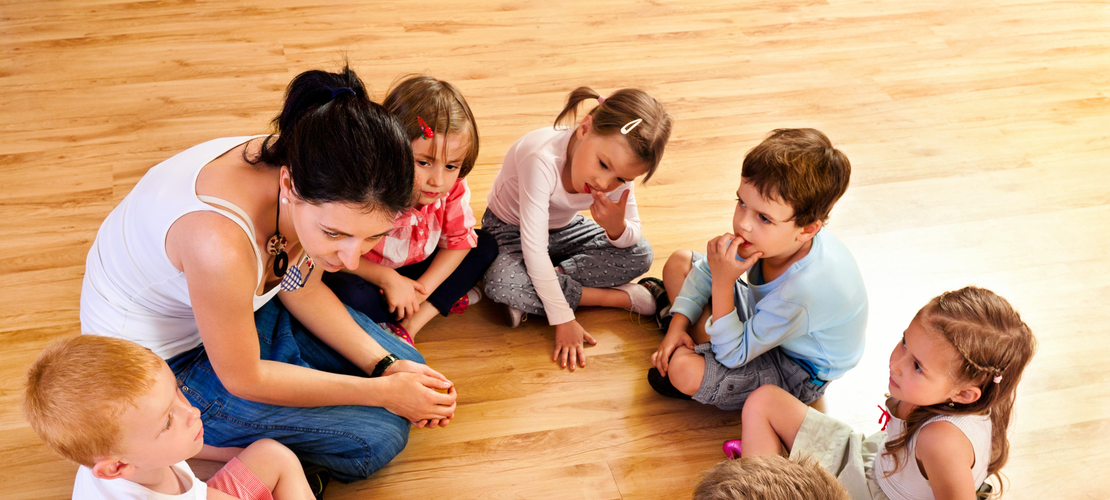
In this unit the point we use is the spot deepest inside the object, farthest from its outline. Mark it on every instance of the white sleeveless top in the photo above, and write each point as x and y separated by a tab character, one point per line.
131	289
908	483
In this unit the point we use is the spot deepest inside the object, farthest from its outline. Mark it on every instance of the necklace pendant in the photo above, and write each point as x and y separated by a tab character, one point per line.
294	280
276	244
281	263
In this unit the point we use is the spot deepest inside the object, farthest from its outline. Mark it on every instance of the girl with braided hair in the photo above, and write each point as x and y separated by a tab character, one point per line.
953	377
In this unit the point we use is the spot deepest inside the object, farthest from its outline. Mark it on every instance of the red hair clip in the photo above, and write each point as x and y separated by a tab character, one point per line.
425	131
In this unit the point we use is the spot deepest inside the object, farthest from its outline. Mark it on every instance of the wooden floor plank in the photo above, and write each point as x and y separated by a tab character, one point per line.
977	134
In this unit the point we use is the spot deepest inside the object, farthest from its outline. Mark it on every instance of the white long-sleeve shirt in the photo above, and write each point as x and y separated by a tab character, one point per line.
528	192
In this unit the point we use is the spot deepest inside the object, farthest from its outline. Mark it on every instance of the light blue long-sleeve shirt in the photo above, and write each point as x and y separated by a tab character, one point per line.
816	311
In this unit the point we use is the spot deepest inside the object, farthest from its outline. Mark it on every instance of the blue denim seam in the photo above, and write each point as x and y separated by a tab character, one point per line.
363	463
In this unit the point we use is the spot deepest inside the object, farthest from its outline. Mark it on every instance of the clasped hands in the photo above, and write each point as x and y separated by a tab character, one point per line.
413	391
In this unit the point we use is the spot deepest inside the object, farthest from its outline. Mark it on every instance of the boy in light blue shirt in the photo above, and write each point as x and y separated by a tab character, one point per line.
799	321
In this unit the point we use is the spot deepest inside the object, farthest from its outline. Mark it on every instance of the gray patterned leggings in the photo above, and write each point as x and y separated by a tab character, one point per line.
581	248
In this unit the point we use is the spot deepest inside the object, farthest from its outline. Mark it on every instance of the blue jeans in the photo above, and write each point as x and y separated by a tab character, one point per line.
351	441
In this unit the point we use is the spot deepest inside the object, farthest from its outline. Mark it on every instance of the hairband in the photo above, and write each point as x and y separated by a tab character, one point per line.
425	131
341	90
997	378
600	100
628	127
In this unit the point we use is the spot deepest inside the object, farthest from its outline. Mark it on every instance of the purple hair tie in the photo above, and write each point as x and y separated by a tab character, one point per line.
341	90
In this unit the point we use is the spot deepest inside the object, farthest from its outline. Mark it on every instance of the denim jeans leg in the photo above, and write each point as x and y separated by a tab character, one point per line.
352	441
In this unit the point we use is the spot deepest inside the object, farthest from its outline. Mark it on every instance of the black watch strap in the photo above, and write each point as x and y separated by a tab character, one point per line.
385	363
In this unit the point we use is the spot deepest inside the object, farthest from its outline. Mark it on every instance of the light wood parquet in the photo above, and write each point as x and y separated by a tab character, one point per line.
977	132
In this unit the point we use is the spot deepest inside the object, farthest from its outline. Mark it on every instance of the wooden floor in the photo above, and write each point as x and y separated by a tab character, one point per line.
978	131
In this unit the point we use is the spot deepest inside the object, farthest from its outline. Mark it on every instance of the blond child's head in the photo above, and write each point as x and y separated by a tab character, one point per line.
110	404
769	478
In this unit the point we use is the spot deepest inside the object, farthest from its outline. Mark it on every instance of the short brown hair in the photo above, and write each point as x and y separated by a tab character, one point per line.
769	478
441	106
801	167
77	389
647	140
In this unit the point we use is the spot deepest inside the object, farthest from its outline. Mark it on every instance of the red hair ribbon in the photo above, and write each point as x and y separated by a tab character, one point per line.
884	418
425	131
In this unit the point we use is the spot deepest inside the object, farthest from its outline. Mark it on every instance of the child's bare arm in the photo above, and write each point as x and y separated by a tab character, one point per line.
946	458
209	452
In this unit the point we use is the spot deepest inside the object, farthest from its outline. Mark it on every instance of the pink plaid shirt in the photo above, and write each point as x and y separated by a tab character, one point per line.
447	223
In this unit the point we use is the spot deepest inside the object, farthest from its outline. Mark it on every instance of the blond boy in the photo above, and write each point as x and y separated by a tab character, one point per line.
113	407
769	478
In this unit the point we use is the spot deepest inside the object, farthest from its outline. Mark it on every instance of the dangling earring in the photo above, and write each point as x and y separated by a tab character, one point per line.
276	245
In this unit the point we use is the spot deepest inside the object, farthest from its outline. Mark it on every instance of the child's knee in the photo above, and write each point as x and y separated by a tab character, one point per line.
267	447
268	460
686	371
761	400
679	263
502	273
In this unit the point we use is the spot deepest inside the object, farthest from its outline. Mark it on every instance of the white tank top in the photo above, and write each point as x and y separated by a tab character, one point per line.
908	483
131	289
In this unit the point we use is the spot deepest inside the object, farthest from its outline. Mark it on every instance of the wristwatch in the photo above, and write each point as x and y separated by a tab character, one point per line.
385	363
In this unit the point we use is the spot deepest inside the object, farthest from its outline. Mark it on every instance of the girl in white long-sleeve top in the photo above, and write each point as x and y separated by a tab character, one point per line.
551	259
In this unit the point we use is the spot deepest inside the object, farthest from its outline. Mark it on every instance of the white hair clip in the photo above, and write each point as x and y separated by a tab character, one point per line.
631	125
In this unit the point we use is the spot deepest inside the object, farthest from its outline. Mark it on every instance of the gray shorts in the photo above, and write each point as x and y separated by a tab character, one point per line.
728	388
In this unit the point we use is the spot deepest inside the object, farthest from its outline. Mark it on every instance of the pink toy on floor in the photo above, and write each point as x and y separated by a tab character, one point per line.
732	449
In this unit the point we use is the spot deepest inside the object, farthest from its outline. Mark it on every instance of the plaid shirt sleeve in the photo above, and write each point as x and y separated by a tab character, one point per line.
457	219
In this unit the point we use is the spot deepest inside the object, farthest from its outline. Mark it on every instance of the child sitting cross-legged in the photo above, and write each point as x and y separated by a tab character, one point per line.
953	378
798	322
114	407
430	261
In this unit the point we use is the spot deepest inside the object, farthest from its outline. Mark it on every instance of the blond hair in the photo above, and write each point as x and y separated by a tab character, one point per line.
769	478
442	107
77	389
992	343
647	140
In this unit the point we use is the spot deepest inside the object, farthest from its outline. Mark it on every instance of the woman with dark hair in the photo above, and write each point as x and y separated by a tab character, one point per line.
186	265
